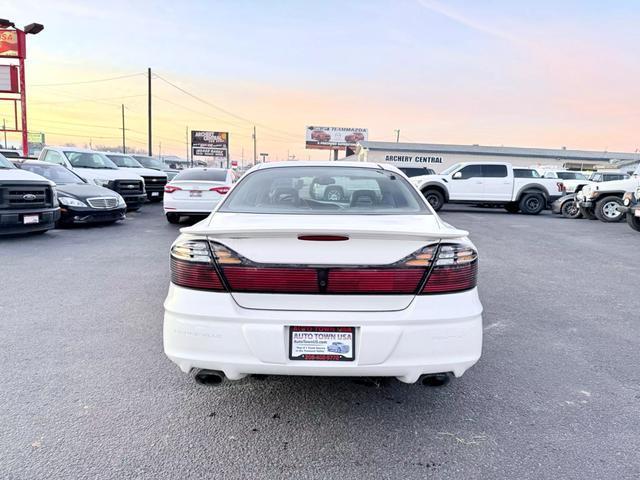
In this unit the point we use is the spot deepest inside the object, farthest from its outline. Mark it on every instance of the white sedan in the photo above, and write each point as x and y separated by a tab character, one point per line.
282	280
196	191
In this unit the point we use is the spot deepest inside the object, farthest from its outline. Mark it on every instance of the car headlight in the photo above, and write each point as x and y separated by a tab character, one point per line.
121	202
626	199
101	182
71	202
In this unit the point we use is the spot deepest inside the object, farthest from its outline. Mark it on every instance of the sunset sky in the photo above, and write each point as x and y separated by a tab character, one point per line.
495	72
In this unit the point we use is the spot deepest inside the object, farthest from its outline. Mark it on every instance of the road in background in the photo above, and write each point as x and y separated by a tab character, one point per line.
88	393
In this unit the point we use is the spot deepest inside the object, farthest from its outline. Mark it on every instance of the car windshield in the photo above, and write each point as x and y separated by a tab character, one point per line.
149	162
571	176
203	174
324	190
450	169
89	160
4	163
56	173
124	161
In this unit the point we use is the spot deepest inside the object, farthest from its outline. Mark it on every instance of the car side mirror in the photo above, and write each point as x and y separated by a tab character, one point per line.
457	176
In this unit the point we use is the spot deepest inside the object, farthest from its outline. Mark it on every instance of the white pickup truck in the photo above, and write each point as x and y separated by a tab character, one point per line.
490	183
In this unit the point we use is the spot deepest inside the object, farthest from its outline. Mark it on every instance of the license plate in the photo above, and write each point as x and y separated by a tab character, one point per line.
29	219
334	344
637	212
155	194
195	193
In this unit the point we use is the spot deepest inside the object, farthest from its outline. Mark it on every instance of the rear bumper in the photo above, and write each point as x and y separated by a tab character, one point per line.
435	334
184	207
12	221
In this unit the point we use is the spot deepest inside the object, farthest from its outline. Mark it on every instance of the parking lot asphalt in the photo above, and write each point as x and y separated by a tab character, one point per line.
86	391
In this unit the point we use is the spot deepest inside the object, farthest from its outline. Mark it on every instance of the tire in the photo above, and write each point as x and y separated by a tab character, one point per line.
606	209
173	218
570	209
435	198
334	194
633	221
588	214
532	203
512	207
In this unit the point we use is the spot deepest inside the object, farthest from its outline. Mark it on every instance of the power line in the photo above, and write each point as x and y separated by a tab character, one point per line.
83	82
244	119
89	100
90	125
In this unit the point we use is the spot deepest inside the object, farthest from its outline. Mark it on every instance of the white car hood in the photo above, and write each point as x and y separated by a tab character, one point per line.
107	173
22	175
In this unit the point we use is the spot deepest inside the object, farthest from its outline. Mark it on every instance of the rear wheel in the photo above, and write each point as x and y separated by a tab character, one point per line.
435	198
173	218
512	207
633	221
570	209
334	194
532	203
607	209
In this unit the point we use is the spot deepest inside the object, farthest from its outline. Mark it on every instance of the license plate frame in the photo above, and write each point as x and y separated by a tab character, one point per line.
337	337
195	193
155	194
637	212
30	219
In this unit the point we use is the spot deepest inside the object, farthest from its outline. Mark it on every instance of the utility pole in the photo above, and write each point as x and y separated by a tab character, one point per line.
186	141
397	135
4	127
124	146
254	145
160	151
149	108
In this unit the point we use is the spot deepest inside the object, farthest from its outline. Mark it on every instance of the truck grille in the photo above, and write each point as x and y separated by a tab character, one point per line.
155	184
128	187
102	202
26	196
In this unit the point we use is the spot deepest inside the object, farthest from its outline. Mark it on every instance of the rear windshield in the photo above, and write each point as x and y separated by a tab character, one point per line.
525	173
417	171
203	175
571	176
324	191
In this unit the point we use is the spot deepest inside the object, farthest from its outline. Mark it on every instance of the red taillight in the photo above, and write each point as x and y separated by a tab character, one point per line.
272	280
454	278
370	280
220	190
171	189
455	270
195	275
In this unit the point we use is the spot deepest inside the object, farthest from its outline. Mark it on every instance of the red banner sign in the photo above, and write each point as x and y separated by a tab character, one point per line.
11	44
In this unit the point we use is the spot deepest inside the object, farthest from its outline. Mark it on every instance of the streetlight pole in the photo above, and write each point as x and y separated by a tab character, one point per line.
124	146
4	128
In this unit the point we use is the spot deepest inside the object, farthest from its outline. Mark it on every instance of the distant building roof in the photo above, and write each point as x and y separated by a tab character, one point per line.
561	153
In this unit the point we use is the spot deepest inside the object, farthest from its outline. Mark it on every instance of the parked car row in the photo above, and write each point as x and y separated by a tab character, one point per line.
68	185
606	200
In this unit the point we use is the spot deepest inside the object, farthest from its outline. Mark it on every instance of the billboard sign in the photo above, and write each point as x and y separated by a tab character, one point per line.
334	138
11	44
209	144
9	79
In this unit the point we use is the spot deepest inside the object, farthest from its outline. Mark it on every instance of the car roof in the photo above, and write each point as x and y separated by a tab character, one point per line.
73	149
326	163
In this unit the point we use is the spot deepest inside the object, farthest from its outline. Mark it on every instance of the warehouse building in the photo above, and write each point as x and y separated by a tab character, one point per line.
441	156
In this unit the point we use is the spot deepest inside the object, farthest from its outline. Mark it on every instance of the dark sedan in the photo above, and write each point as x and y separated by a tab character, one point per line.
80	202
